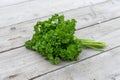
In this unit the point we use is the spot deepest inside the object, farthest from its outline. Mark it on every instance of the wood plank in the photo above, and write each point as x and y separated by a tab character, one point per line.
35	9
30	64
106	10
32	10
105	66
6	3
15	77
15	35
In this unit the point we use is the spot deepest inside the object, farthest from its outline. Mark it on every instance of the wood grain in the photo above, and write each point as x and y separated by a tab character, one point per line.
35	9
32	9
15	35
105	66
29	64
96	19
6	3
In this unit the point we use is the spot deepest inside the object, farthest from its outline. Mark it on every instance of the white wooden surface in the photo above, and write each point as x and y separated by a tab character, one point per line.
29	63
105	66
99	20
15	35
32	9
28	9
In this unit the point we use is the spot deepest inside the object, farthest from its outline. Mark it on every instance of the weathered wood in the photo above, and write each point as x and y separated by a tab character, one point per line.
6	3
108	10
35	9
15	77
32	9
105	66
15	35
30	64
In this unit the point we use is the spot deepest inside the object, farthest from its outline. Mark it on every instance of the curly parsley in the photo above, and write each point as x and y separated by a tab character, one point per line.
55	40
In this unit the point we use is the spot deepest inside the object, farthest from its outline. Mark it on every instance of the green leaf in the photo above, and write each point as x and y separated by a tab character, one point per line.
54	39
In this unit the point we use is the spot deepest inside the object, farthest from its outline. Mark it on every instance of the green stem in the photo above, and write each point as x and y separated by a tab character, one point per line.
93	44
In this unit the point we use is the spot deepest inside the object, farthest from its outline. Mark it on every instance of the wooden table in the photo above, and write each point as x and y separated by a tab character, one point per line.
96	19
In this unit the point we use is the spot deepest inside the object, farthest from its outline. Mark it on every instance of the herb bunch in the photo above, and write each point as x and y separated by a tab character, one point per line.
54	39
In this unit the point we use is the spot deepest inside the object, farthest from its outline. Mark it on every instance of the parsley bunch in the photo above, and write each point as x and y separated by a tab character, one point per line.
55	40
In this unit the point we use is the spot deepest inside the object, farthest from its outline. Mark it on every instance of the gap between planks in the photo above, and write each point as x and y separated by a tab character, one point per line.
29	64
17	3
76	30
33	10
86	13
89	4
102	67
74	62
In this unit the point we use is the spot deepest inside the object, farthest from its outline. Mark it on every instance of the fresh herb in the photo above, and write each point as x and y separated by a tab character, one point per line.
55	40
